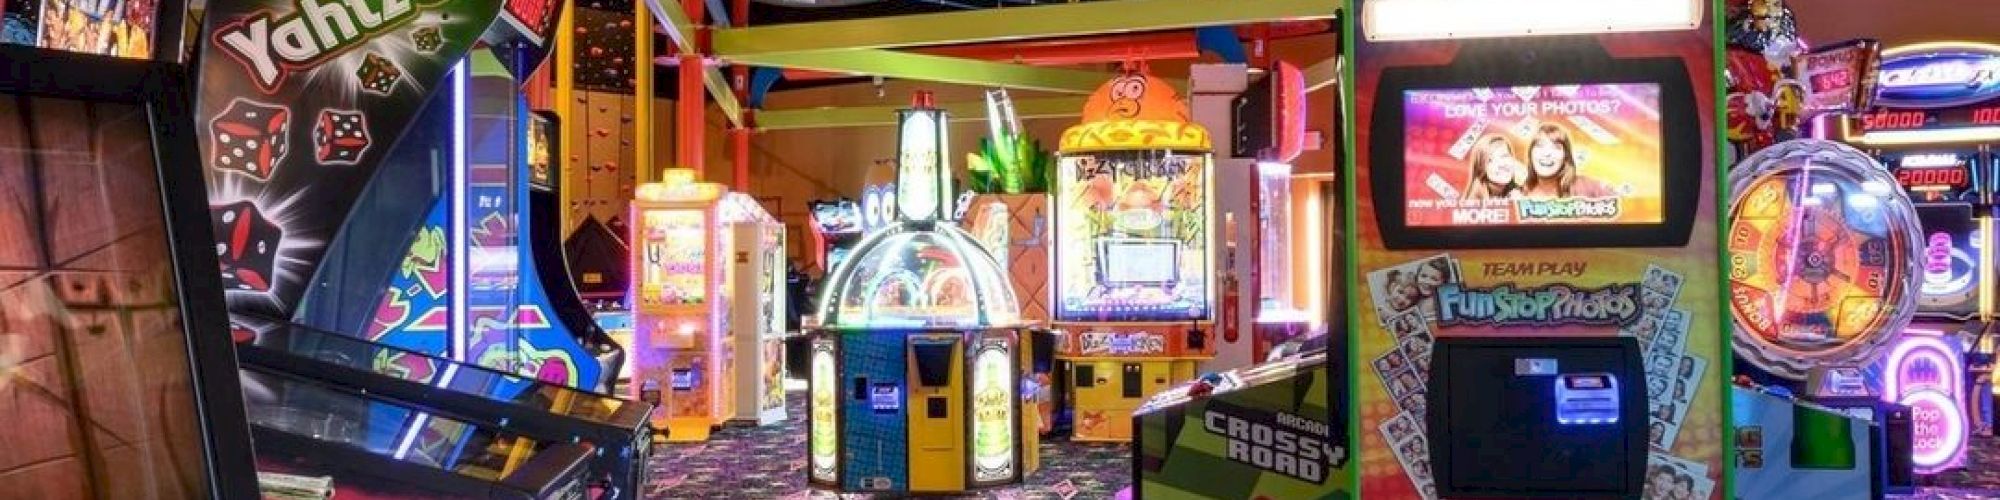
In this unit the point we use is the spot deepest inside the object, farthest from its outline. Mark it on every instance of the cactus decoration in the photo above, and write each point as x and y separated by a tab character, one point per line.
1008	162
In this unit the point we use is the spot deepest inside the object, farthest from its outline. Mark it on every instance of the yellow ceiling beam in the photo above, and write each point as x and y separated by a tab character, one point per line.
1012	23
679	27
883	116
930	68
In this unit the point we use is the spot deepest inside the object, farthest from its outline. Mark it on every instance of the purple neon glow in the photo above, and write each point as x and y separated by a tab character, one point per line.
1924	372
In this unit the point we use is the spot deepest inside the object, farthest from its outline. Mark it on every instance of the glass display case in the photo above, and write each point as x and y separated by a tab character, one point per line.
910	278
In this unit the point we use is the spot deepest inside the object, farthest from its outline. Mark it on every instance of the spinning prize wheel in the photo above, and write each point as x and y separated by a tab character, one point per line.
1821	266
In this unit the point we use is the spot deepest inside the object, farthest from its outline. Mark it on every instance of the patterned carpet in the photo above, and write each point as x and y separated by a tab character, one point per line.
1980	479
769	463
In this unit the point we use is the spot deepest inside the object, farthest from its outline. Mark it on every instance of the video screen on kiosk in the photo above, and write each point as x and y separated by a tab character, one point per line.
1139	261
1576	155
1574	149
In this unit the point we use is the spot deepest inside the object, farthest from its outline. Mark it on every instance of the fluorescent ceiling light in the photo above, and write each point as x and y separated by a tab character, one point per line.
1397	20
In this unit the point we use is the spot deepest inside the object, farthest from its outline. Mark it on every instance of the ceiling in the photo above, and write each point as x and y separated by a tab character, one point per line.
1897	22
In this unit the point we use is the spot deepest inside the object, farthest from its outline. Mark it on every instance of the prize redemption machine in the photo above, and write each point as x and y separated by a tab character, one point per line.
918	351
1536	293
1132	253
693	272
1825	260
126	385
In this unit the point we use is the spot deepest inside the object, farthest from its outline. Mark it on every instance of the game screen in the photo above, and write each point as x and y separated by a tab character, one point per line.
1131	240
121	28
1533	155
91	338
541	141
836	217
1137	262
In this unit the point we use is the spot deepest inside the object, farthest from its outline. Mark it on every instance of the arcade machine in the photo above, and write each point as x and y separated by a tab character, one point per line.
1825	271
301	232
470	284
1932	125
1133	253
757	321
436	308
836	227
686	359
104	232
1270	126
551	262
1536	288
918	352
615	430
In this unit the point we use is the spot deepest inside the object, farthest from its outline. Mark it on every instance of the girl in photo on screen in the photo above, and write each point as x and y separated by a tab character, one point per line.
1497	171
1552	167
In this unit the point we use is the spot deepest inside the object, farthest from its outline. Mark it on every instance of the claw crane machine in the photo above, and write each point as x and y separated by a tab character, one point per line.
1133	257
686	355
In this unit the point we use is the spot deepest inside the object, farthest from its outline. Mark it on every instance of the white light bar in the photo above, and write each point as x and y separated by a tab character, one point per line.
1909	137
1402	20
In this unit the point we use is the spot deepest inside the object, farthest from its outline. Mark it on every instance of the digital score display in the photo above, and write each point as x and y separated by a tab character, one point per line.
1916	119
1935	177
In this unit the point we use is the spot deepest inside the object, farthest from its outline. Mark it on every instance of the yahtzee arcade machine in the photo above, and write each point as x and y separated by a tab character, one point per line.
917	356
1536	289
1133	258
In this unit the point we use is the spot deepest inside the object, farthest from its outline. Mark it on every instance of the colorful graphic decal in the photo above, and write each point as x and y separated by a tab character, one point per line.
674	247
1422	299
1926	372
1949	76
119	28
773	376
1820	260
414	312
1559	154
1269	440
824	411
993	406
1132	239
338	81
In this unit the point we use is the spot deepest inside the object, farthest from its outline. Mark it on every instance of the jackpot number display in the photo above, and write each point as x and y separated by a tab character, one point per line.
1821	259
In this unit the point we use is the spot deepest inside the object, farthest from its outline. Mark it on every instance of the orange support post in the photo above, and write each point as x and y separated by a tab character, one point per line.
690	124
739	84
